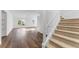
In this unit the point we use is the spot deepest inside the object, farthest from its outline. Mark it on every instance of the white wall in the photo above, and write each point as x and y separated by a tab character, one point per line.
41	21
27	17
27	20
0	26
69	14
9	21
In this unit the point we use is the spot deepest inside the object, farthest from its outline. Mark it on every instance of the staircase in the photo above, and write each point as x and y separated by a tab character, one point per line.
66	35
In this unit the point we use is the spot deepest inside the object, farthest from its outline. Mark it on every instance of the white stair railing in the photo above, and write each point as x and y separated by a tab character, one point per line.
51	26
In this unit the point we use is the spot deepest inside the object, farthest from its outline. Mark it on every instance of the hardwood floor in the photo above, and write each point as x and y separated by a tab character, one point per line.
23	38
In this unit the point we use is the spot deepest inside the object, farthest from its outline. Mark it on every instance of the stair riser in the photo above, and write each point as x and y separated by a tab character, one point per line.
54	44
68	34
68	24
70	21
66	41
68	29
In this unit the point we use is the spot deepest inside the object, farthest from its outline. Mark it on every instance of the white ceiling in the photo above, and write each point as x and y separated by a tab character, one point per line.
27	12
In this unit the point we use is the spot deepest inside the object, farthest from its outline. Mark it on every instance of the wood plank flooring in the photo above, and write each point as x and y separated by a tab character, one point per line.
23	38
